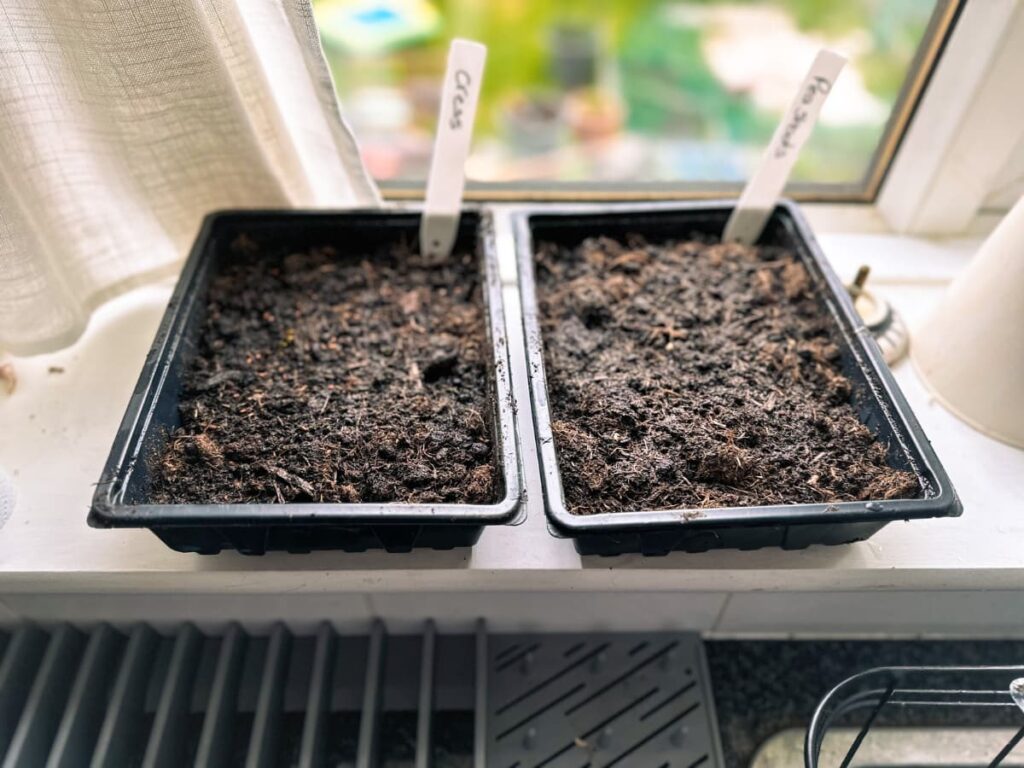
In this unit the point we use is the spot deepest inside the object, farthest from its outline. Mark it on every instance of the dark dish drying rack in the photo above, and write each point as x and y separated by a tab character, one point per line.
229	697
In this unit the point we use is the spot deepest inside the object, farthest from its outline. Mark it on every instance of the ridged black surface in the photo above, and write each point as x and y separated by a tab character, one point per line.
136	697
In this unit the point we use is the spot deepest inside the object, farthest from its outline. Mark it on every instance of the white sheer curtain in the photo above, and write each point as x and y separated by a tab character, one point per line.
123	122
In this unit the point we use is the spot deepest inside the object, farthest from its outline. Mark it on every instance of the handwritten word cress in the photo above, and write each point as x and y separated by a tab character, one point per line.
462	82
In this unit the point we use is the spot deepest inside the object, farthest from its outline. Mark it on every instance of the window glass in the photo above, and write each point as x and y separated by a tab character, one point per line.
622	90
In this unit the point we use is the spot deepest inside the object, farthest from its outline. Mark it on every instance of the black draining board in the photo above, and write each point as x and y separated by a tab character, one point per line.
135	696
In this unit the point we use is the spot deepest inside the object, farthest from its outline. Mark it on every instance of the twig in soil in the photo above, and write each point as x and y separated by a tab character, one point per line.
293	480
415	376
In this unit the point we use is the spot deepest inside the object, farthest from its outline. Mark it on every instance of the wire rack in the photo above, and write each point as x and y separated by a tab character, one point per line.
983	701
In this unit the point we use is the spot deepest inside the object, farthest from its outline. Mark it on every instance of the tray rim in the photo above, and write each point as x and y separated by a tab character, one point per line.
109	511
944	502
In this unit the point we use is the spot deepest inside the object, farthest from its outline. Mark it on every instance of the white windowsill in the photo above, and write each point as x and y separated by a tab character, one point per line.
57	428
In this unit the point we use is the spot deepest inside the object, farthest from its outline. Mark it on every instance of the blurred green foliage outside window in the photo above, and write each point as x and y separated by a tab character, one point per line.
621	90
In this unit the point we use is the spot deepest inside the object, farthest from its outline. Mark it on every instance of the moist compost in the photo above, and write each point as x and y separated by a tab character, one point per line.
322	376
698	374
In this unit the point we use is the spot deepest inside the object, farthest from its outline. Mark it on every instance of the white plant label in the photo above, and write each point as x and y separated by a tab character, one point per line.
447	179
765	187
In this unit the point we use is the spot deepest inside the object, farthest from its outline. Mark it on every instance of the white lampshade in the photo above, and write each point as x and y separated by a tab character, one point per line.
970	352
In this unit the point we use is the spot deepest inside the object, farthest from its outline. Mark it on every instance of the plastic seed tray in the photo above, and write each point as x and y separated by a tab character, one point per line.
121	494
877	399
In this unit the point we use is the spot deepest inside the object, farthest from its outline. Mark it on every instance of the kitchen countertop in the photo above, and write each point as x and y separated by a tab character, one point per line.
57	427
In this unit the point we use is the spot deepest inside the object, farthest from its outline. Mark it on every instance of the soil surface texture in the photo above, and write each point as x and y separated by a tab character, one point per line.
697	375
328	377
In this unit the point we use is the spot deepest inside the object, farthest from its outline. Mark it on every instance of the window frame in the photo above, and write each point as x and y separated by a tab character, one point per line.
936	36
968	128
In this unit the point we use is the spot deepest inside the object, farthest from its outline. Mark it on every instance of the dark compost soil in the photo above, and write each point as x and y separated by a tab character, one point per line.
696	375
328	377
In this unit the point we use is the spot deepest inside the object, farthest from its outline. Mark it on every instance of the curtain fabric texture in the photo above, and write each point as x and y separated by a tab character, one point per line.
123	122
